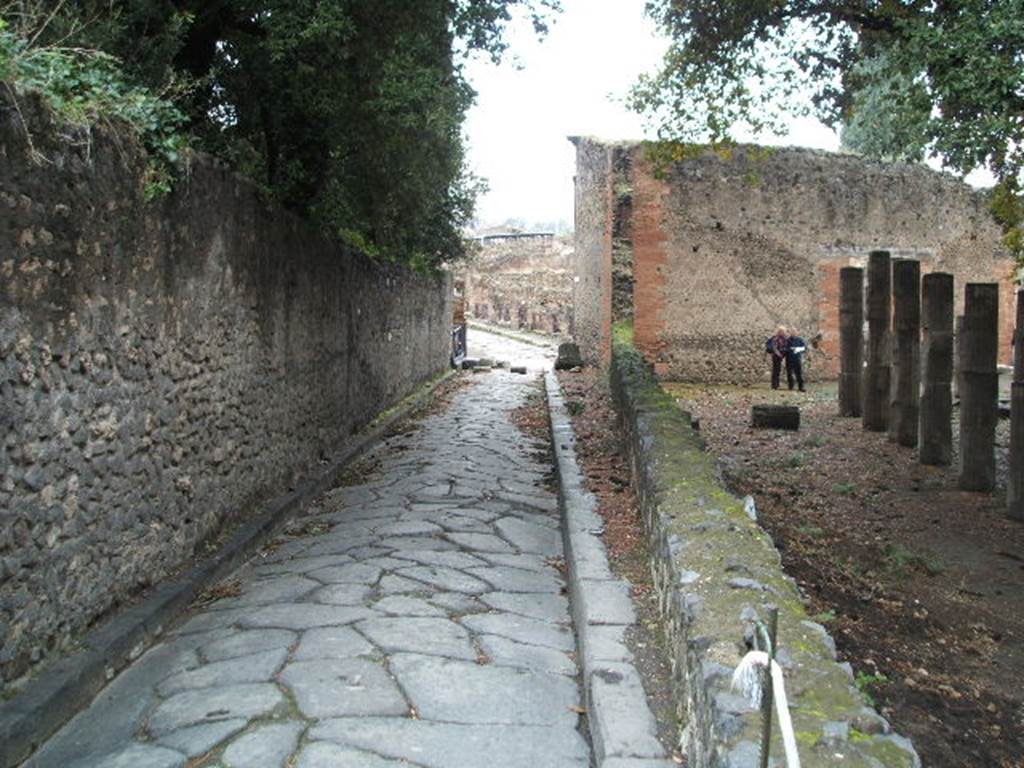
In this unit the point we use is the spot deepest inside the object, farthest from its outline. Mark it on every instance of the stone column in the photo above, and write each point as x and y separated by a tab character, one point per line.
979	352
1015	482
958	340
937	398
906	359
875	389
851	339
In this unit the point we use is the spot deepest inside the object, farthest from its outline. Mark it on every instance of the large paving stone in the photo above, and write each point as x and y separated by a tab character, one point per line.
299	616
505	579
332	643
342	594
350	573
324	754
300	565
553	609
214	704
200	739
467	692
408	528
523	560
247	643
527	537
447	579
522	629
509	653
283	589
135	756
480	542
267	746
454	745
257	668
447	559
432	636
403	605
342	687
399	585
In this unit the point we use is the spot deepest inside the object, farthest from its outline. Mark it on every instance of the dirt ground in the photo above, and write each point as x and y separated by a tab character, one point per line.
921	585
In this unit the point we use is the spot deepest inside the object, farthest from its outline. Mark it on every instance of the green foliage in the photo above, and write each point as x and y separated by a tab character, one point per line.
85	87
824	617
867	684
906	79
349	112
1007	206
844	489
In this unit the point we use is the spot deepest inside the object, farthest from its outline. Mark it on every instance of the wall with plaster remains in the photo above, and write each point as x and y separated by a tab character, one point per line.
726	246
166	367
521	281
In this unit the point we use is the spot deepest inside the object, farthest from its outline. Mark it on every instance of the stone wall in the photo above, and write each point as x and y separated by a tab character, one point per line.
521	281
166	366
592	257
729	245
716	572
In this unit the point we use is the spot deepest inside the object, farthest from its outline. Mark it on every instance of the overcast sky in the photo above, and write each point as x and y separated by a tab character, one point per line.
569	84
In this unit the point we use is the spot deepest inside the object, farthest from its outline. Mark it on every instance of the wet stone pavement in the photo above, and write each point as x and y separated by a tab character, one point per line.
420	620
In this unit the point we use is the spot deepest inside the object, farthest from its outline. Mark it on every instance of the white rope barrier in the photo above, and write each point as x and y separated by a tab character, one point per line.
747	678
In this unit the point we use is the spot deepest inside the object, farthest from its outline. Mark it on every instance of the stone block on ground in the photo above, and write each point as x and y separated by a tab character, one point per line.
766	416
568	357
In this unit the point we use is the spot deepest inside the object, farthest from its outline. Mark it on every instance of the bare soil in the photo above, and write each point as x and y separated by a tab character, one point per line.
922	585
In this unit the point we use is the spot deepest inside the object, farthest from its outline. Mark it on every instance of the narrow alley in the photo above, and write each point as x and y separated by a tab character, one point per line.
417	617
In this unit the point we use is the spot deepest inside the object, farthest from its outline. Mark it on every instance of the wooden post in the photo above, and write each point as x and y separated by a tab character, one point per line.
937	398
906	359
1015	482
979	352
875	389
851	339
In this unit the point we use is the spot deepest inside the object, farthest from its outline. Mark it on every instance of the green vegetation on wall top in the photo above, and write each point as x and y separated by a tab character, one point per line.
349	112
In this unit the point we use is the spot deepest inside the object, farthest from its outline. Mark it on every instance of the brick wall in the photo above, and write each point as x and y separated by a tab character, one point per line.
167	366
729	246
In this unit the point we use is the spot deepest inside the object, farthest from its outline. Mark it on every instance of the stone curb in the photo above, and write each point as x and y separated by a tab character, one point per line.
622	727
69	684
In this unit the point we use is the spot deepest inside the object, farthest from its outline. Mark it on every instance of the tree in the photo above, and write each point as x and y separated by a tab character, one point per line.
906	78
347	111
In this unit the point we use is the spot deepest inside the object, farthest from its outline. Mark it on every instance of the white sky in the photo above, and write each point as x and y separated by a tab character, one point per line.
572	83
569	84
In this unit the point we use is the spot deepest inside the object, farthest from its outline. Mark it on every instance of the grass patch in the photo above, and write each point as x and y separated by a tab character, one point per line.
868	684
811	531
824	617
899	560
844	489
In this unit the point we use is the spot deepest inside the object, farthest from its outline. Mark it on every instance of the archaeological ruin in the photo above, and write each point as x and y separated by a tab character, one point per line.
520	280
711	251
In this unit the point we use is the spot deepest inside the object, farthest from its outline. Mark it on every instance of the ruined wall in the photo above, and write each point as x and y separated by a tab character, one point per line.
522	282
728	247
592	258
166	366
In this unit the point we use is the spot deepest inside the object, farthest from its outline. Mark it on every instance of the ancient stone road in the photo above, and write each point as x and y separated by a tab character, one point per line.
419	620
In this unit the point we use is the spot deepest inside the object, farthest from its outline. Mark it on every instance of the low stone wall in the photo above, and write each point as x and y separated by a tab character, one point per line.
166	366
715	570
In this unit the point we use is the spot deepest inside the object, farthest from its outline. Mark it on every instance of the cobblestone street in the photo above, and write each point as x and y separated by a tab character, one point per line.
418	618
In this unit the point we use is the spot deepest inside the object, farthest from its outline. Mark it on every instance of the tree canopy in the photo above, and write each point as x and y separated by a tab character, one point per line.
903	78
348	111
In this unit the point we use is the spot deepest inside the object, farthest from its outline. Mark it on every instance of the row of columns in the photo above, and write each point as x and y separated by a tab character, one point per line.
886	389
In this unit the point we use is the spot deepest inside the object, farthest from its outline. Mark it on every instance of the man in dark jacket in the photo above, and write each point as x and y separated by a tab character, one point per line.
795	349
777	346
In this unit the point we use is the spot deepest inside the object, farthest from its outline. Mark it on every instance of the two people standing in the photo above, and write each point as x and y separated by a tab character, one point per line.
787	347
